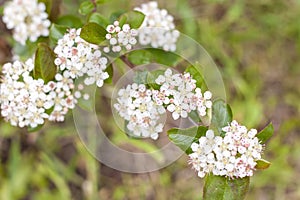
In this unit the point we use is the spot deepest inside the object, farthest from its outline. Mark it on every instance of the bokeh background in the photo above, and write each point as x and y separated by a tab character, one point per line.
256	45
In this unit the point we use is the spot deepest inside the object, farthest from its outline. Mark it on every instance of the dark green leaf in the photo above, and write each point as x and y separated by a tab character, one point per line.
69	21
194	116
115	15
164	57
222	188
99	19
266	133
57	32
221	115
196	74
262	164
152	76
86	7
140	57
183	138
44	66
93	33
110	72
133	18
140	77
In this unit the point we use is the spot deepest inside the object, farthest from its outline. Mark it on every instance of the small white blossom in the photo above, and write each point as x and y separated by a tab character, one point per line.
80	58
135	105
27	19
158	29
233	156
120	37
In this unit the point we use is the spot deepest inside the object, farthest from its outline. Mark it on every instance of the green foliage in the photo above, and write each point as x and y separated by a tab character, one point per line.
221	115
183	138
152	76
70	21
86	7
266	133
146	56
93	33
133	18
99	19
44	66
110	71
222	188
57	32
196	74
140	77
48	4
262	164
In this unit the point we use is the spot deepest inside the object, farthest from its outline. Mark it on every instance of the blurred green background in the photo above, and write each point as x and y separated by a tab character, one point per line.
256	45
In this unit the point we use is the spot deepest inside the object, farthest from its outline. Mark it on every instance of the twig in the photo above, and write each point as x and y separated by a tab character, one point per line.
127	62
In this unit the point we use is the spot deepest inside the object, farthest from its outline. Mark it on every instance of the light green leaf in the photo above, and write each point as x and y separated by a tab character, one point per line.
133	18
266	133
93	33
222	188
140	77
262	164
183	138
221	115
69	21
140	57
152	76
196	74
57	32
98	2
86	7
44	66
110	72
99	19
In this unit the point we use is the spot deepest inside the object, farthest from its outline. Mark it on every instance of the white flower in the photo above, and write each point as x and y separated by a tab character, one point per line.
79	58
120	37
27	19
231	156
135	105
158	28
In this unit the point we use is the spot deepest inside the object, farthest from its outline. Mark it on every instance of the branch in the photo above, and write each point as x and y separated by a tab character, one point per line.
127	62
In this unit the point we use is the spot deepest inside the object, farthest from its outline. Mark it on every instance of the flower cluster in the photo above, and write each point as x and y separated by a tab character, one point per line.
158	29
80	58
143	107
181	96
135	104
119	38
28	102
27	18
233	156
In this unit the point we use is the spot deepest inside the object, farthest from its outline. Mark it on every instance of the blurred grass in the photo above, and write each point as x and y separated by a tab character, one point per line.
256	45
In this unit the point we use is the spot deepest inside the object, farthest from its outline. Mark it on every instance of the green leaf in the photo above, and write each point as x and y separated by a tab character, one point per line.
1	10
266	133
99	19
140	57
140	77
164	57
183	138
69	21
98	2
93	33
57	32
222	188
262	164
44	66
86	7
133	18
221	115
110	72
152	76
196	74
116	15
194	116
